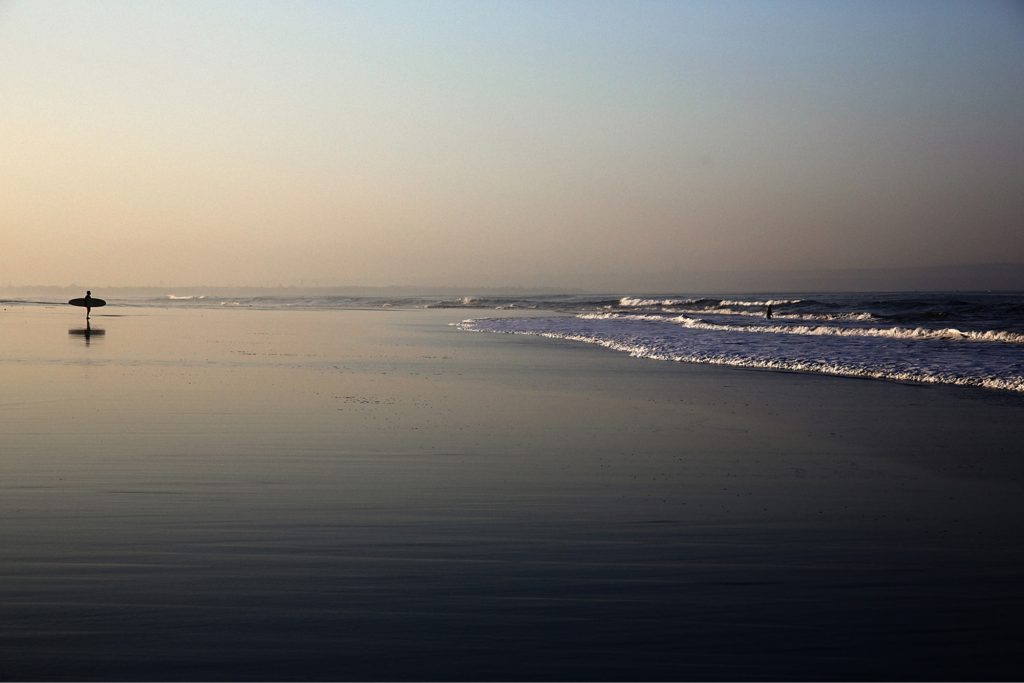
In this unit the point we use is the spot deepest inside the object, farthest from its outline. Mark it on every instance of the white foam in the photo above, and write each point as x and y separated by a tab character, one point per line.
822	317
766	302
828	355
633	302
917	333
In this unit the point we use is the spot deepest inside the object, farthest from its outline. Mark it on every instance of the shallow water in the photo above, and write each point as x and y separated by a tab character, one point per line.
961	339
366	495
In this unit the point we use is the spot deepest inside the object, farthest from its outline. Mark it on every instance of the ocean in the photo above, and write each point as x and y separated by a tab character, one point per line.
964	339
973	339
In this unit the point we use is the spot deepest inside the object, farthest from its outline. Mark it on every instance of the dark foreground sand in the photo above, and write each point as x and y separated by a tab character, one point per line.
366	495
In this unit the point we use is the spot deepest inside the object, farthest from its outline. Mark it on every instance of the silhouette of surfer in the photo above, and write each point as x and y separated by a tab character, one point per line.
768	312
88	301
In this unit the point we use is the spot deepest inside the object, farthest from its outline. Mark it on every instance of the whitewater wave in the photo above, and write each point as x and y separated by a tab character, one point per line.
635	302
752	308
765	302
918	333
661	347
640	302
821	317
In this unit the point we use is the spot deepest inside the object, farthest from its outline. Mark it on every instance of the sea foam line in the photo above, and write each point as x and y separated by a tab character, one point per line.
917	333
634	302
650	351
824	317
766	302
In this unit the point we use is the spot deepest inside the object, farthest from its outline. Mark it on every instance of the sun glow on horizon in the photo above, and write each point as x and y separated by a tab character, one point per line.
569	144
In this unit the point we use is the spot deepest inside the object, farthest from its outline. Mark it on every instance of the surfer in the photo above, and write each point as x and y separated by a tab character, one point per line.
768	312
88	302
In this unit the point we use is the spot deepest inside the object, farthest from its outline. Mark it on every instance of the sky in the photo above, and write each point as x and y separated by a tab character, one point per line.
588	144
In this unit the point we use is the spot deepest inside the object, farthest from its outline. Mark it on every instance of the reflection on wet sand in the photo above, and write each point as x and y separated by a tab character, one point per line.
87	332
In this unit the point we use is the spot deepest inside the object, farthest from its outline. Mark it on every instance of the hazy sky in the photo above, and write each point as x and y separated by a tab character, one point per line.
504	143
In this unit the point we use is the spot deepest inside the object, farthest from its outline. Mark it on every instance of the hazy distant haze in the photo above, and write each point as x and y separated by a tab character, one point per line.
569	144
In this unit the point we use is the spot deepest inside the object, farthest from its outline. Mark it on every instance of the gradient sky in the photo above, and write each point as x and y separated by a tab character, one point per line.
504	143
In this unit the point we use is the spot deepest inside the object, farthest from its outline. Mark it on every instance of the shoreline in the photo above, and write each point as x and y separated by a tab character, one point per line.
461	316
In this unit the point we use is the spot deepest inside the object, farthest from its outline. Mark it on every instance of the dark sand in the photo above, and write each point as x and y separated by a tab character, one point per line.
375	495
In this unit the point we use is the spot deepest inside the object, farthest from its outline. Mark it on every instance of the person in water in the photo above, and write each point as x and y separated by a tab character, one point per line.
88	301
768	312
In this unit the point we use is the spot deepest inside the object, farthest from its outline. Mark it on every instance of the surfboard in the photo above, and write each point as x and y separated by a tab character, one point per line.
93	303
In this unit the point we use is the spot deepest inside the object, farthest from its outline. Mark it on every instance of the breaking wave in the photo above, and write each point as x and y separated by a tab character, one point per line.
932	359
823	317
635	302
951	334
766	302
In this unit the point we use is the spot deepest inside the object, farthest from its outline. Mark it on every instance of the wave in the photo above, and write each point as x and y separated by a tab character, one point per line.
765	302
664	347
635	302
918	333
977	311
822	317
475	302
640	302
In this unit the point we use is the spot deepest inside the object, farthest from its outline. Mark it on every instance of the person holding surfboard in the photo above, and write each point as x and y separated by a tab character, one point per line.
88	302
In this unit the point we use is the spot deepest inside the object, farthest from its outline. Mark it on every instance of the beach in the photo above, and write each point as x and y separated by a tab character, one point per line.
193	494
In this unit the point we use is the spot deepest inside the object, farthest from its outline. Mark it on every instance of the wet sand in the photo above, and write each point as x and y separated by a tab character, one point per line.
363	495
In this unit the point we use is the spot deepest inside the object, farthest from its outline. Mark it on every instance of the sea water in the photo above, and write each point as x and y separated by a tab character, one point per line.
974	339
964	339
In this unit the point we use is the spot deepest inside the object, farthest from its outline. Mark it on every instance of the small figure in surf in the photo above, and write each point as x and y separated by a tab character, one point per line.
88	300
768	312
